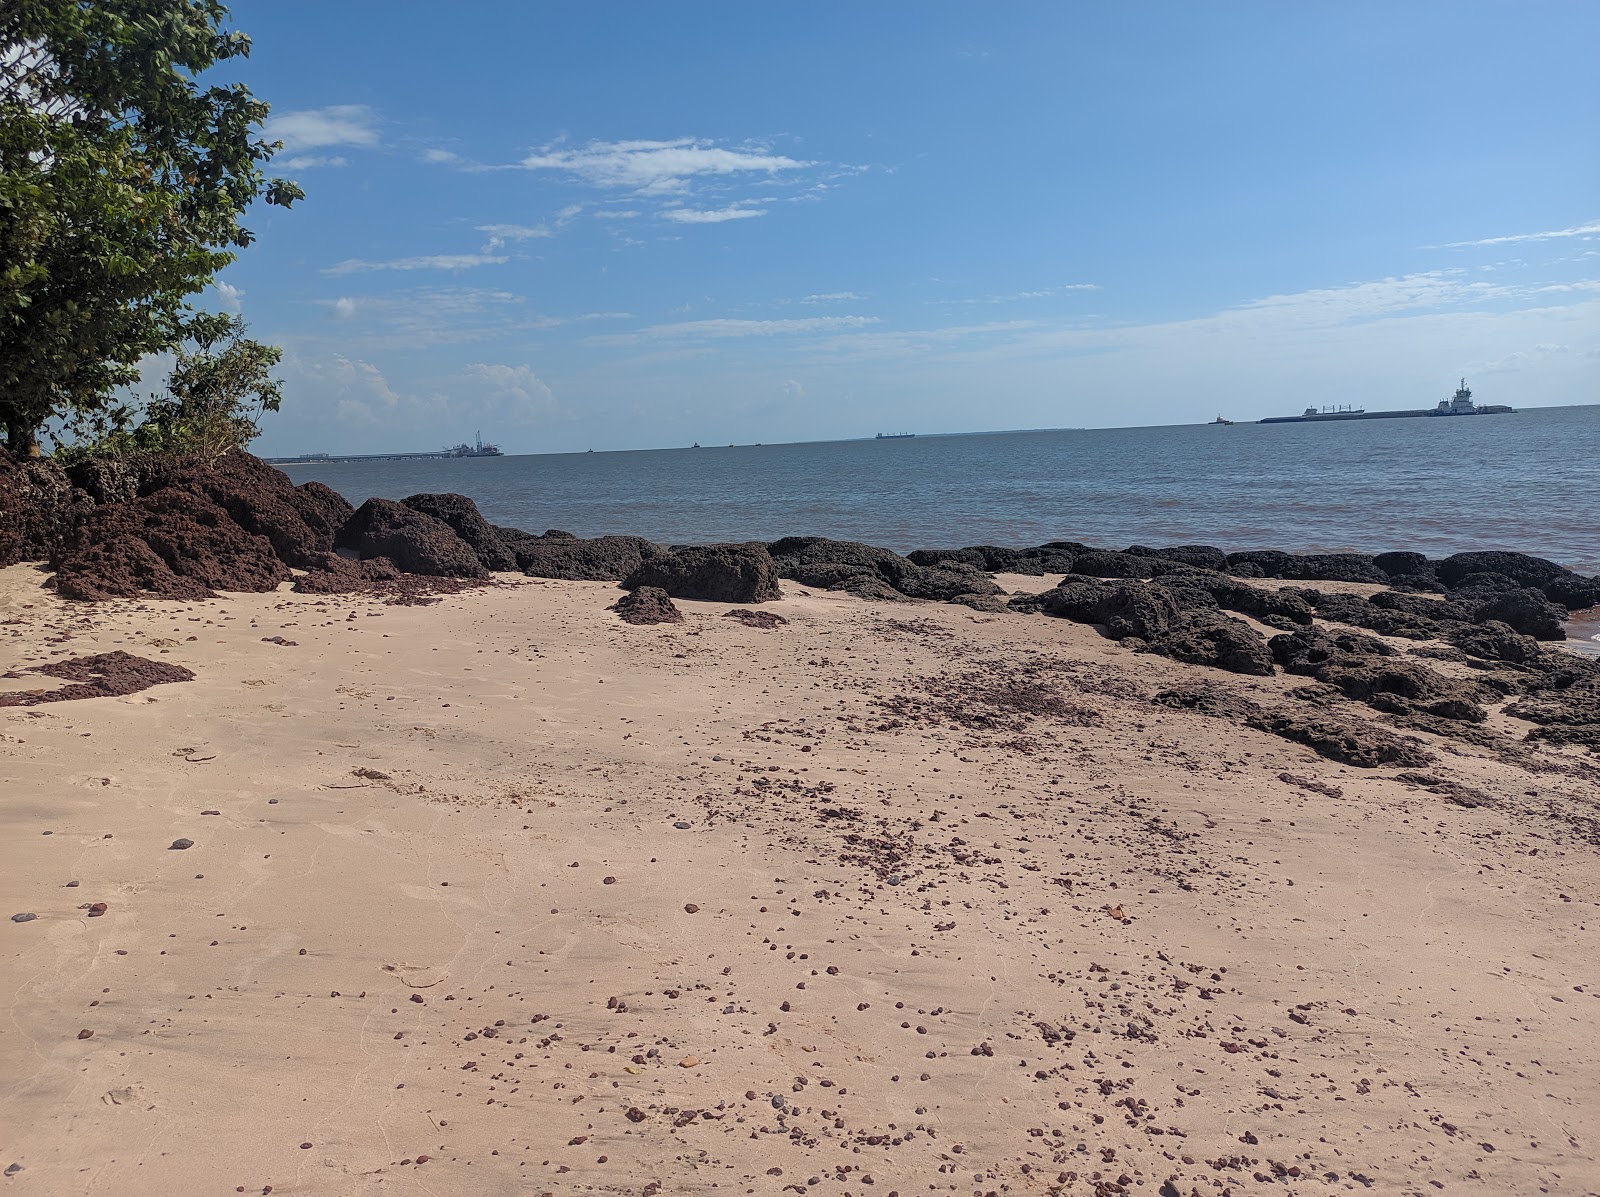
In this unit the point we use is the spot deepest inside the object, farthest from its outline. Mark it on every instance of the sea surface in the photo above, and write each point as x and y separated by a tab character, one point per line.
1528	482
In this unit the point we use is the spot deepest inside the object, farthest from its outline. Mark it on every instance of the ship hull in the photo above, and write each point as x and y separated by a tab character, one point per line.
1334	417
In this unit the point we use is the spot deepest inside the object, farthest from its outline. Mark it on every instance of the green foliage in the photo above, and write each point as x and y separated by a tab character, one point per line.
122	184
217	392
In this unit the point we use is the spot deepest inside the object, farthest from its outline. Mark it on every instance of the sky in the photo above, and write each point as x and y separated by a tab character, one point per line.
592	225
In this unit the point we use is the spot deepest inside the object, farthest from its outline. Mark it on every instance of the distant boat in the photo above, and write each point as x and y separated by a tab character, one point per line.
1220	420
477	449
895	436
696	445
1459	404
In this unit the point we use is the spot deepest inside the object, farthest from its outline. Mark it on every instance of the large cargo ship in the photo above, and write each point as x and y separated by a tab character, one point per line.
1459	404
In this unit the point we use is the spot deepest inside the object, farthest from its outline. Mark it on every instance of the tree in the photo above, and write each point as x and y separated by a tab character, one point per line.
122	185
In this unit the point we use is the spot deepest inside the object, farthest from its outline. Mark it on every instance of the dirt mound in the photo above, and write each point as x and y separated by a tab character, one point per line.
39	509
104	675
647	605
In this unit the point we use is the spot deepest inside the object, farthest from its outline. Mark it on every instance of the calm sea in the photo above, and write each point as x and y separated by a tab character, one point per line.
1529	482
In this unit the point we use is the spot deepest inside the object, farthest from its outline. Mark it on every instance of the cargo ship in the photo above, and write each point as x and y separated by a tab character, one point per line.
479	449
895	436
1459	404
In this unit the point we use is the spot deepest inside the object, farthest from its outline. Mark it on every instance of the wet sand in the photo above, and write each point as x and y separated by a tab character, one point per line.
501	895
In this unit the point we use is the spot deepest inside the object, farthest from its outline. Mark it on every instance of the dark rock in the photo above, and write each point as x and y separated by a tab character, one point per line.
1262	563
1495	641
647	605
603	559
467	522
1301	650
1573	591
1484	585
943	583
1125	609
1521	568
717	573
1564	701
1218	641
180	845
1347	740
1202	556
416	543
1233	595
816	550
1278	623
992	603
1526	611
766	620
870	587
972	557
1105	563
1403	564
1416	583
824	575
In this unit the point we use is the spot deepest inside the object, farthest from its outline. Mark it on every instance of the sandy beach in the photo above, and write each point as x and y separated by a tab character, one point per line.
501	895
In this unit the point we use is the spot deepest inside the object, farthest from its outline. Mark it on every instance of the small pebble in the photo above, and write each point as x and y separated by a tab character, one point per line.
609	881
180	845
26	917
86	1033
682	826
690	908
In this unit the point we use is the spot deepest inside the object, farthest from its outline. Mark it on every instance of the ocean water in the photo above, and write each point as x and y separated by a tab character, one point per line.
1528	482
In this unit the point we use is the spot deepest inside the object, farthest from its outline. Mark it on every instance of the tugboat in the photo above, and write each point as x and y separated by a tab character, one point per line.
1461	404
478	449
1220	420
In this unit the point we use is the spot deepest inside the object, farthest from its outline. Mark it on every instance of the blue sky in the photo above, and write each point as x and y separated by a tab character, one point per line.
587	225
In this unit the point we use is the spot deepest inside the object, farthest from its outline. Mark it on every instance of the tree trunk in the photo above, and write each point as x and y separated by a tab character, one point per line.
22	440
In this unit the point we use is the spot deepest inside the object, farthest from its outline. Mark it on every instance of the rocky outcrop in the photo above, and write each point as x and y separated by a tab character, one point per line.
647	605
467	522
1218	641
716	573
1527	611
1495	641
942	575
416	543
1335	735
1364	668
562	555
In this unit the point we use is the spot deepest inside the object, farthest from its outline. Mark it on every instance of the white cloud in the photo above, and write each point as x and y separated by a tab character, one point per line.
440	156
316	128
618	214
426	262
499	234
832	297
793	390
1582	230
712	216
231	297
344	308
522	392
657	167
312	161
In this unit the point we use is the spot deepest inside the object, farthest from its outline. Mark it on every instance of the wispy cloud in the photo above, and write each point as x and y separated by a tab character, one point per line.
425	262
1017	296
499	234
712	216
832	297
618	214
319	128
658	167
312	161
1582	230
694	330
231	297
518	387
440	156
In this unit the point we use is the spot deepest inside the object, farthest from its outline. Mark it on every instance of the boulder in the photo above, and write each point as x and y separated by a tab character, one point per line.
1219	641
603	559
870	587
972	557
1527	611
1495	641
1125	609
416	543
942	583
1520	567
1573	591
467	522
647	605
816	550
1403	564
1202	556
1106	563
716	573
1301	651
